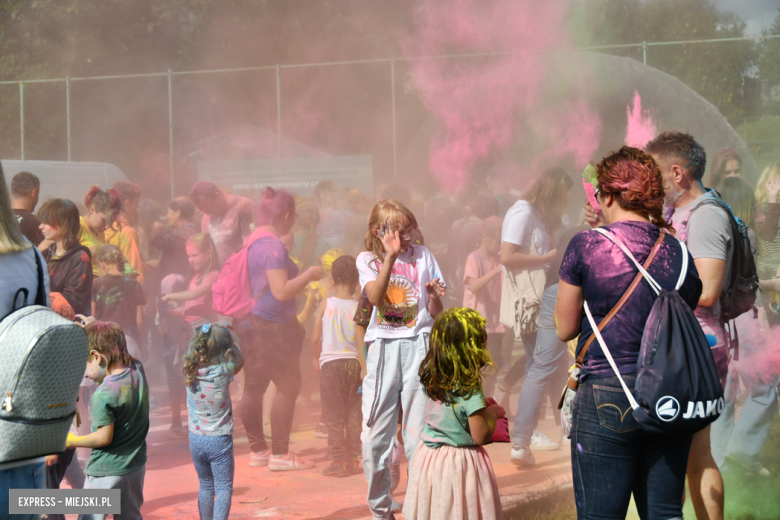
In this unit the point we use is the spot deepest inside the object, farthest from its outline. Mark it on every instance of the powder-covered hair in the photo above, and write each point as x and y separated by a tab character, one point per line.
457	355
127	190
104	201
547	195
206	349
107	338
383	210
491	226
112	255
771	171
634	179
203	189
328	194
718	167
683	147
63	215
274	206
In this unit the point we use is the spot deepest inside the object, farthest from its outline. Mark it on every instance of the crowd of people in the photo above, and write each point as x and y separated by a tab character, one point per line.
412	309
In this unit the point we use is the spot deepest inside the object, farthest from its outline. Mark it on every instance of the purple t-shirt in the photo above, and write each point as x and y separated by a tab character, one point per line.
604	272
269	253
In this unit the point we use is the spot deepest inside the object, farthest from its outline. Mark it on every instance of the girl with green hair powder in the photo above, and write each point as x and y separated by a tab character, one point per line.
451	476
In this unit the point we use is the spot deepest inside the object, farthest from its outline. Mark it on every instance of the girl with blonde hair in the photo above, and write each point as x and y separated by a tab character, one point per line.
403	282
768	261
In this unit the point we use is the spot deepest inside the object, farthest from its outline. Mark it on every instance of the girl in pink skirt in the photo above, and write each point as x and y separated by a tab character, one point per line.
451	476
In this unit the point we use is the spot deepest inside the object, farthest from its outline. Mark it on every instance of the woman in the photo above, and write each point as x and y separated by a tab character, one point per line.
70	263
272	333
768	261
18	269
726	163
612	456
102	210
729	436
527	244
171	239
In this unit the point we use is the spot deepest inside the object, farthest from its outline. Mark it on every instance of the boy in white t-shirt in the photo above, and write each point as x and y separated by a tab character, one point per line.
336	357
404	284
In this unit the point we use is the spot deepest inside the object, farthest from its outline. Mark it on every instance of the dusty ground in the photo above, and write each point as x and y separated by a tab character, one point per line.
171	486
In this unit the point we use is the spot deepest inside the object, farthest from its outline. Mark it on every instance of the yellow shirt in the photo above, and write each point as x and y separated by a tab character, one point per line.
92	242
123	236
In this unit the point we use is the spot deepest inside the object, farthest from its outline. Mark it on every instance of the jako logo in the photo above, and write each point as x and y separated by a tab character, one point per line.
696	410
667	408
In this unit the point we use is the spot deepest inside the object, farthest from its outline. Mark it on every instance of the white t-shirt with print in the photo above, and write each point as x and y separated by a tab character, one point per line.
521	223
404	313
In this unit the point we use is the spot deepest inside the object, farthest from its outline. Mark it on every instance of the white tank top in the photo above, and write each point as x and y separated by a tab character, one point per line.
338	330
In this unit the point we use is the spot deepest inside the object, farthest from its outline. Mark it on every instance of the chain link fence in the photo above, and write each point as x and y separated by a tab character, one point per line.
96	118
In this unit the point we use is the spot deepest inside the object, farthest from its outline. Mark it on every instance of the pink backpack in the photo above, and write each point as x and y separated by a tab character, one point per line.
233	289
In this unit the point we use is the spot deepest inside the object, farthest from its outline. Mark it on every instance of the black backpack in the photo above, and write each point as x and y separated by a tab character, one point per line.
677	389
740	296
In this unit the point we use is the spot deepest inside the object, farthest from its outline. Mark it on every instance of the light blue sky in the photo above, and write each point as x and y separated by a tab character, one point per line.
757	13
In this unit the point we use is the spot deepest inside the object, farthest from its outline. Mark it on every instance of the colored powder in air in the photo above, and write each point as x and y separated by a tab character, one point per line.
641	127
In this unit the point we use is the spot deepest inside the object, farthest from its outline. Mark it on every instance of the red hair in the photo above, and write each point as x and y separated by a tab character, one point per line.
633	178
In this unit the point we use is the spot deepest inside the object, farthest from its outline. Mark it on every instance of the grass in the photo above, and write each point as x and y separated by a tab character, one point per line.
747	498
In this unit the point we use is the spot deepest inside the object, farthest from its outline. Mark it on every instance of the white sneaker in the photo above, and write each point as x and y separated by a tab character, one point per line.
395	507
541	442
259	460
521	456
289	462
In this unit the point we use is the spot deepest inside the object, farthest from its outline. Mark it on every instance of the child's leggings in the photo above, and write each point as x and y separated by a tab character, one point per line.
214	463
391	381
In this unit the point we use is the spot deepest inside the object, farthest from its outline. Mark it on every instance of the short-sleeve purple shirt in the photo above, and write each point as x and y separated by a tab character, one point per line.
604	272
269	253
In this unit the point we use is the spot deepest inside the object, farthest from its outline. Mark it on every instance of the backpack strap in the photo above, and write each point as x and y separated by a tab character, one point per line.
40	295
623	299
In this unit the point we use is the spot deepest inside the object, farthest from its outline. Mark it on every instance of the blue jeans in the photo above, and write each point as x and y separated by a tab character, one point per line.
613	457
215	465
742	442
29	476
545	370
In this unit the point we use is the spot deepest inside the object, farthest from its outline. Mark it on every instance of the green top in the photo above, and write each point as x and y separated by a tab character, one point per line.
122	400
449	423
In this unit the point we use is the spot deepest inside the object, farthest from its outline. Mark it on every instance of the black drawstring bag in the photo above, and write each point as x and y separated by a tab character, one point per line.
677	389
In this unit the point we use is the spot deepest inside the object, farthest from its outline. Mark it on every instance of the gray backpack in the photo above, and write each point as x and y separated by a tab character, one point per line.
43	358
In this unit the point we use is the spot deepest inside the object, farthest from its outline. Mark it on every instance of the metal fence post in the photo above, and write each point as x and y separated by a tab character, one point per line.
170	128
67	110
278	113
395	145
644	52
21	116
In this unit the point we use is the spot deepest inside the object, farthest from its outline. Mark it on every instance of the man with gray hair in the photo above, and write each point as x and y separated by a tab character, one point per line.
25	189
707	231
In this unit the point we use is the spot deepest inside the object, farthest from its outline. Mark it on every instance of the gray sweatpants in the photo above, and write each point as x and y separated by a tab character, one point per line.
132	487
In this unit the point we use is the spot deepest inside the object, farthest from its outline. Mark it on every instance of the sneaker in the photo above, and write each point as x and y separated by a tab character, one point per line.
289	462
395	476
336	469
521	456
321	431
259	460
178	432
541	442
395	507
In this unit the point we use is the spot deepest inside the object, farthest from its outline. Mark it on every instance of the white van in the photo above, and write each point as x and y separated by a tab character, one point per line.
65	180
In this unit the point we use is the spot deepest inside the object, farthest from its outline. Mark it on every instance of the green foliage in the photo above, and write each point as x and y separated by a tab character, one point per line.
714	70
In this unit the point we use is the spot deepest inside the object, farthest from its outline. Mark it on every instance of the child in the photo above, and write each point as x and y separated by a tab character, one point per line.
482	291
197	309
403	283
451	476
176	336
119	298
334	347
120	420
209	367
